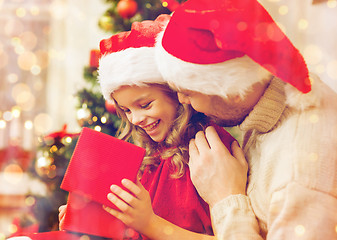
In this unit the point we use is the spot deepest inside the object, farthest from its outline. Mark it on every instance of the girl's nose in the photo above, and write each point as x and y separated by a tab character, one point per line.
183	99
137	118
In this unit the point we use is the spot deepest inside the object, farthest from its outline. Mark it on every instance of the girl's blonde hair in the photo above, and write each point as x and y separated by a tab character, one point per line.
187	123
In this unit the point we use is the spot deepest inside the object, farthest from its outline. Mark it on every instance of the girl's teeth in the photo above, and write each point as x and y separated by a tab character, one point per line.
153	125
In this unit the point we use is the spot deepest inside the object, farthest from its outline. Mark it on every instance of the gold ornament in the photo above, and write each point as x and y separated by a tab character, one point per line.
106	22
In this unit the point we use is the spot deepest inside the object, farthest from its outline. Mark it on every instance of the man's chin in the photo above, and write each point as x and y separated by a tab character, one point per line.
225	122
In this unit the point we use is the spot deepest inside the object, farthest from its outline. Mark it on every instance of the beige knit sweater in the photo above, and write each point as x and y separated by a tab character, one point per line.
290	144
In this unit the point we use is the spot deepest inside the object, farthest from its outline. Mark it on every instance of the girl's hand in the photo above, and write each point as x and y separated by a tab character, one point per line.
62	213
135	209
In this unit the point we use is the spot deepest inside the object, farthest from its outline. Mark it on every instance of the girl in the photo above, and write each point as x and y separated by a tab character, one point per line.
154	118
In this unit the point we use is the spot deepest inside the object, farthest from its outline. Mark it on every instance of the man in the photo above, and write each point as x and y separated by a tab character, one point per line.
229	60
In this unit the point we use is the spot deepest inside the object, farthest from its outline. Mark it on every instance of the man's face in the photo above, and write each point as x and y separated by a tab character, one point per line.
223	111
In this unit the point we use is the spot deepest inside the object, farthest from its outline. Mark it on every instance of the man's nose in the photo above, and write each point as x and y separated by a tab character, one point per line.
183	98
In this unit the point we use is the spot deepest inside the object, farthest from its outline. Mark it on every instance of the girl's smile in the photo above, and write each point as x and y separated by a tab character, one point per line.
150	127
149	108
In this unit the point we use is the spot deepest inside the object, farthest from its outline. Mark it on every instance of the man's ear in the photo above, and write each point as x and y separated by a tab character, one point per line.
237	98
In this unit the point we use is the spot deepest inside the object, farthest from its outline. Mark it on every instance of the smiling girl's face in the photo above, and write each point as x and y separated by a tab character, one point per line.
149	108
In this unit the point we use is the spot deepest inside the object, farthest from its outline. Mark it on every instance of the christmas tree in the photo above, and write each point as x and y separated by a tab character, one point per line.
55	149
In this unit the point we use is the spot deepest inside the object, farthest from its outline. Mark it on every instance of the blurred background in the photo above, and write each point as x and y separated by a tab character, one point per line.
48	87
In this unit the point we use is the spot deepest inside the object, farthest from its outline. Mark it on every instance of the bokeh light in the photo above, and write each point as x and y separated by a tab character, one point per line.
13	173
68	140
30	201
303	24
7	115
83	113
35	70
242	26
313	54
28	124
164	4
98	128
84	237
332	3
2	124
53	149
43	123
16	112
273	33
12	78
26	60
43	165
283	10
21	12
299	230
12	228
104	120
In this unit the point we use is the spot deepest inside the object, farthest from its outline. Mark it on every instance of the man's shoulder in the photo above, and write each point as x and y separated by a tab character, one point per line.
320	93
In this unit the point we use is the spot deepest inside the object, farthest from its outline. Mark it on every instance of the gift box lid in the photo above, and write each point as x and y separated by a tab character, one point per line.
98	161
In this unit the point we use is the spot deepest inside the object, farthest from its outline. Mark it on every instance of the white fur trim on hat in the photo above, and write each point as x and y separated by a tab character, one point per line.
232	77
132	66
302	101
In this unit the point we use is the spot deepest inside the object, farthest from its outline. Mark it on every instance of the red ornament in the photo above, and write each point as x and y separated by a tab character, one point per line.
110	107
94	58
18	154
127	8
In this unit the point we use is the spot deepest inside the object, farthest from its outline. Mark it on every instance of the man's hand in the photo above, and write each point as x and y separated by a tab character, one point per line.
216	173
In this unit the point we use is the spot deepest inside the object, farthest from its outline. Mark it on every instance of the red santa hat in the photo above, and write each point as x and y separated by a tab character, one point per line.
127	58
223	47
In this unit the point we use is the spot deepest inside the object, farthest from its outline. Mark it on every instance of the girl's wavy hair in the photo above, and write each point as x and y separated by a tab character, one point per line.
186	124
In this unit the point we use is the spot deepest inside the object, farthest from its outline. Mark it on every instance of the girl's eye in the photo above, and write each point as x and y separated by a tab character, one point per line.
145	105
125	110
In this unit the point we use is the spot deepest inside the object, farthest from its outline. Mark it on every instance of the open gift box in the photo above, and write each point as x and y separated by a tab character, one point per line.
99	160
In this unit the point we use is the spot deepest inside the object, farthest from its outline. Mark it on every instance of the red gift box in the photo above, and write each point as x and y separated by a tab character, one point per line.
99	160
86	216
